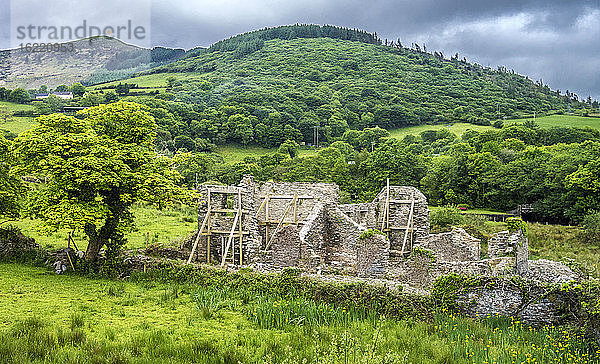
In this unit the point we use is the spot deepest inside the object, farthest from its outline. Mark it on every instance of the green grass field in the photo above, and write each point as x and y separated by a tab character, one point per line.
458	129
236	153
11	106
168	227
18	124
563	120
155	80
48	318
544	122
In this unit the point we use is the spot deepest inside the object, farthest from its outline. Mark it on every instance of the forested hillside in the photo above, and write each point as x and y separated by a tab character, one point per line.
276	84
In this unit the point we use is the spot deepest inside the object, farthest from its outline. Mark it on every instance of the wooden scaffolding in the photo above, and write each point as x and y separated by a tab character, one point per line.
281	222
228	236
408	237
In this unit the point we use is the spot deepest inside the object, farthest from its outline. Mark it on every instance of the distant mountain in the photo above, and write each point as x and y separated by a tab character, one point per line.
91	60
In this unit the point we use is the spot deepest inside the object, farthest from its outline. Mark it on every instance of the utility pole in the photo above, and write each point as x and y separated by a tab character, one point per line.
316	136
372	144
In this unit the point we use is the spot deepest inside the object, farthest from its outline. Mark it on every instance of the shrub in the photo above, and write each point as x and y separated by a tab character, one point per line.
516	223
445	216
591	227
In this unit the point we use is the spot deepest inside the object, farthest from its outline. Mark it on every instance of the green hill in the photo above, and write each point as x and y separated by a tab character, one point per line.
276	84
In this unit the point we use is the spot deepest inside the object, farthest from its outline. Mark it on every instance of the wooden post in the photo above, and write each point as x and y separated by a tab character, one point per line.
70	261
235	221
267	224
385	221
198	236
72	241
240	224
409	222
209	233
287	210
296	208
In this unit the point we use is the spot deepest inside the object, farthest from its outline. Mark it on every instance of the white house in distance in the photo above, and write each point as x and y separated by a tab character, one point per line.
62	95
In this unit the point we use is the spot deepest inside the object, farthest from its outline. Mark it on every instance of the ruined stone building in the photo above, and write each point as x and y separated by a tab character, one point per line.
273	225
279	224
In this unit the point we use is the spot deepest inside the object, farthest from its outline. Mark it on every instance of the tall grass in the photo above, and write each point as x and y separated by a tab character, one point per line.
73	319
506	340
268	313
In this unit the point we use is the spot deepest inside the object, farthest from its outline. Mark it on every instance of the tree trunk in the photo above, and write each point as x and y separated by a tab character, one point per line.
94	246
95	242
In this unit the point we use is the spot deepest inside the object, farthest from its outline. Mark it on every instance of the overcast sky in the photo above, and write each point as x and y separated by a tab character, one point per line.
554	40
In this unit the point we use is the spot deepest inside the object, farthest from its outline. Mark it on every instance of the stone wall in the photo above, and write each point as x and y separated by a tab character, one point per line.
511	245
421	270
507	300
362	213
454	246
325	236
14	243
286	250
320	193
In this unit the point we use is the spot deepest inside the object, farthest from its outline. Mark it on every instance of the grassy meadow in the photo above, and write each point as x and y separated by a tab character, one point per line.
236	153
544	122
74	319
157	80
563	121
166	227
457	128
18	124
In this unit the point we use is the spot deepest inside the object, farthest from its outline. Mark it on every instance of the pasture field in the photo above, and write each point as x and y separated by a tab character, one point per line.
544	122
48	318
233	153
11	106
18	124
457	128
562	121
167	227
158	80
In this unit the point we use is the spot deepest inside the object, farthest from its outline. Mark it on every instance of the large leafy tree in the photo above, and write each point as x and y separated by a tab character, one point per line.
10	187
92	168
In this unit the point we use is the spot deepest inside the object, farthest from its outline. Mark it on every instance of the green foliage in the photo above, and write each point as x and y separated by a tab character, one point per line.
516	224
369	233
417	251
445	216
288	286
98	165
10	186
289	147
78	89
50	104
591	227
282	313
267	71
19	96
